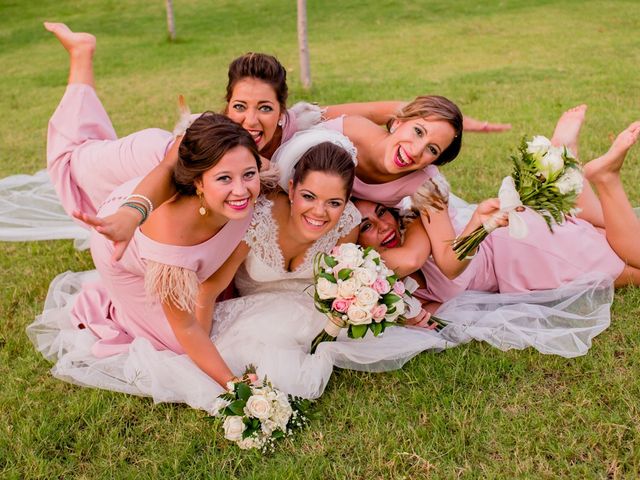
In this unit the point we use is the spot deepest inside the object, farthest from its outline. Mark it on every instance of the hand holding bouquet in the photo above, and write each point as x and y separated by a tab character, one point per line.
255	416
357	291
545	178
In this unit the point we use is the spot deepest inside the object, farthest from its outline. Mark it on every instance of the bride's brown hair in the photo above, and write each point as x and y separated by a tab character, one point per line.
326	157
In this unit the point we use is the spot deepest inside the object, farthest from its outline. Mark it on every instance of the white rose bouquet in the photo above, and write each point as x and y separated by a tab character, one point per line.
255	416
357	291
545	178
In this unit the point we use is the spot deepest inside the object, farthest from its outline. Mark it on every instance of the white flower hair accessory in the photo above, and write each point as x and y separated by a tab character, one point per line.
288	154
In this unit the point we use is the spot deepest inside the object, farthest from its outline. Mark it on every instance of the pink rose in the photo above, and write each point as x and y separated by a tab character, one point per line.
378	312
381	286
341	304
398	287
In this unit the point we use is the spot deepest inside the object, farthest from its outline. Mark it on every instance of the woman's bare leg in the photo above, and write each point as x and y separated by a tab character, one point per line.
566	133
622	226
80	47
629	276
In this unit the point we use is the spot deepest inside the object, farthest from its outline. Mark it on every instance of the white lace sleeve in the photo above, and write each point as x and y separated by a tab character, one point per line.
350	219
261	229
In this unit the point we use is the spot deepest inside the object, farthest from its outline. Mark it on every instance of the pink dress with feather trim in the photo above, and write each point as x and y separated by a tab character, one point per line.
117	308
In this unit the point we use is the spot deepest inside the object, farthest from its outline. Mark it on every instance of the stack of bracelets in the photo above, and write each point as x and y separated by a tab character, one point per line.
140	203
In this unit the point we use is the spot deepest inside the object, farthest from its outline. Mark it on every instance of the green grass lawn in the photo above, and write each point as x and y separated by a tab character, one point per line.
470	412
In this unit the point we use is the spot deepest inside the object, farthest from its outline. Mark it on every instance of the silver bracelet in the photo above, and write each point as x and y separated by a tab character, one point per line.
142	197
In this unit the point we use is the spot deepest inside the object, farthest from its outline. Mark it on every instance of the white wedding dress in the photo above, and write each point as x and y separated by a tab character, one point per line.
271	326
274	321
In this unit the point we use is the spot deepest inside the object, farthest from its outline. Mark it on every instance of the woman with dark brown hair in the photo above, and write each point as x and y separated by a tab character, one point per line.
160	296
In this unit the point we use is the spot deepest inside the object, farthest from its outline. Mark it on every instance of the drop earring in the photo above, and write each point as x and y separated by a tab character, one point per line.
203	209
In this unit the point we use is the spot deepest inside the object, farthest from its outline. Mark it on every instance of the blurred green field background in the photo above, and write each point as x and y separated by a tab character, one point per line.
471	412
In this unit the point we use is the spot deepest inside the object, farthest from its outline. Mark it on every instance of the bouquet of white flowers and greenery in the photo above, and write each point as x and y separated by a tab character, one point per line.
545	178
255	416
357	291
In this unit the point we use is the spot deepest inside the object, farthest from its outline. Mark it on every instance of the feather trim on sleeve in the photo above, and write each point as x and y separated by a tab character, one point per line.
169	283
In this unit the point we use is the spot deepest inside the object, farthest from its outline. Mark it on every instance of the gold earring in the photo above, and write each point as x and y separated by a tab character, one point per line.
203	209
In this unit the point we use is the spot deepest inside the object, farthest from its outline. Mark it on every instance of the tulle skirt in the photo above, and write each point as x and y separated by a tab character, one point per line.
274	331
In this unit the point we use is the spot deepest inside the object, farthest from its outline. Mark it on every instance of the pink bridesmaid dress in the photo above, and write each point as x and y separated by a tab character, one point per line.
117	308
543	260
87	161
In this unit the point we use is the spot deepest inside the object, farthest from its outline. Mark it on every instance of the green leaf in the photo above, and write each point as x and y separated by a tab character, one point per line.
358	331
330	261
328	276
344	273
277	434
243	390
237	407
376	329
390	298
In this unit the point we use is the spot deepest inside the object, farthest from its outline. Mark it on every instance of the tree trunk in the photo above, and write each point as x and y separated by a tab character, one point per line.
303	48
171	21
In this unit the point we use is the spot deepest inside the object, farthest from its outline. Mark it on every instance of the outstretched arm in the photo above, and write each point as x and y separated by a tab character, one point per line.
381	112
157	186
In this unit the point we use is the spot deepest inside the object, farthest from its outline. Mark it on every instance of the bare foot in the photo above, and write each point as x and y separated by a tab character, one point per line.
76	43
568	128
608	166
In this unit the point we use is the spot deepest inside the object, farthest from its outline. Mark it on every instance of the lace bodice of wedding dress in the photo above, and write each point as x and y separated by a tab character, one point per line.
264	271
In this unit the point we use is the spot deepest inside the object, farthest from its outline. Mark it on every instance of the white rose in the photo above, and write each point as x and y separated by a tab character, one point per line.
219	404
268	426
372	255
571	181
250	442
233	428
366	298
348	288
538	146
552	163
369	265
282	415
258	406
351	255
358	315
365	276
326	289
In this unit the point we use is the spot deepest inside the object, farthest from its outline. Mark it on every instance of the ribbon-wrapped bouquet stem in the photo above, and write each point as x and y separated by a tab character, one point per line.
545	178
357	291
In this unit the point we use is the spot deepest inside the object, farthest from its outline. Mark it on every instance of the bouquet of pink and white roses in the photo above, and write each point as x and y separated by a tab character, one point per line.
255	416
357	291
545	178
